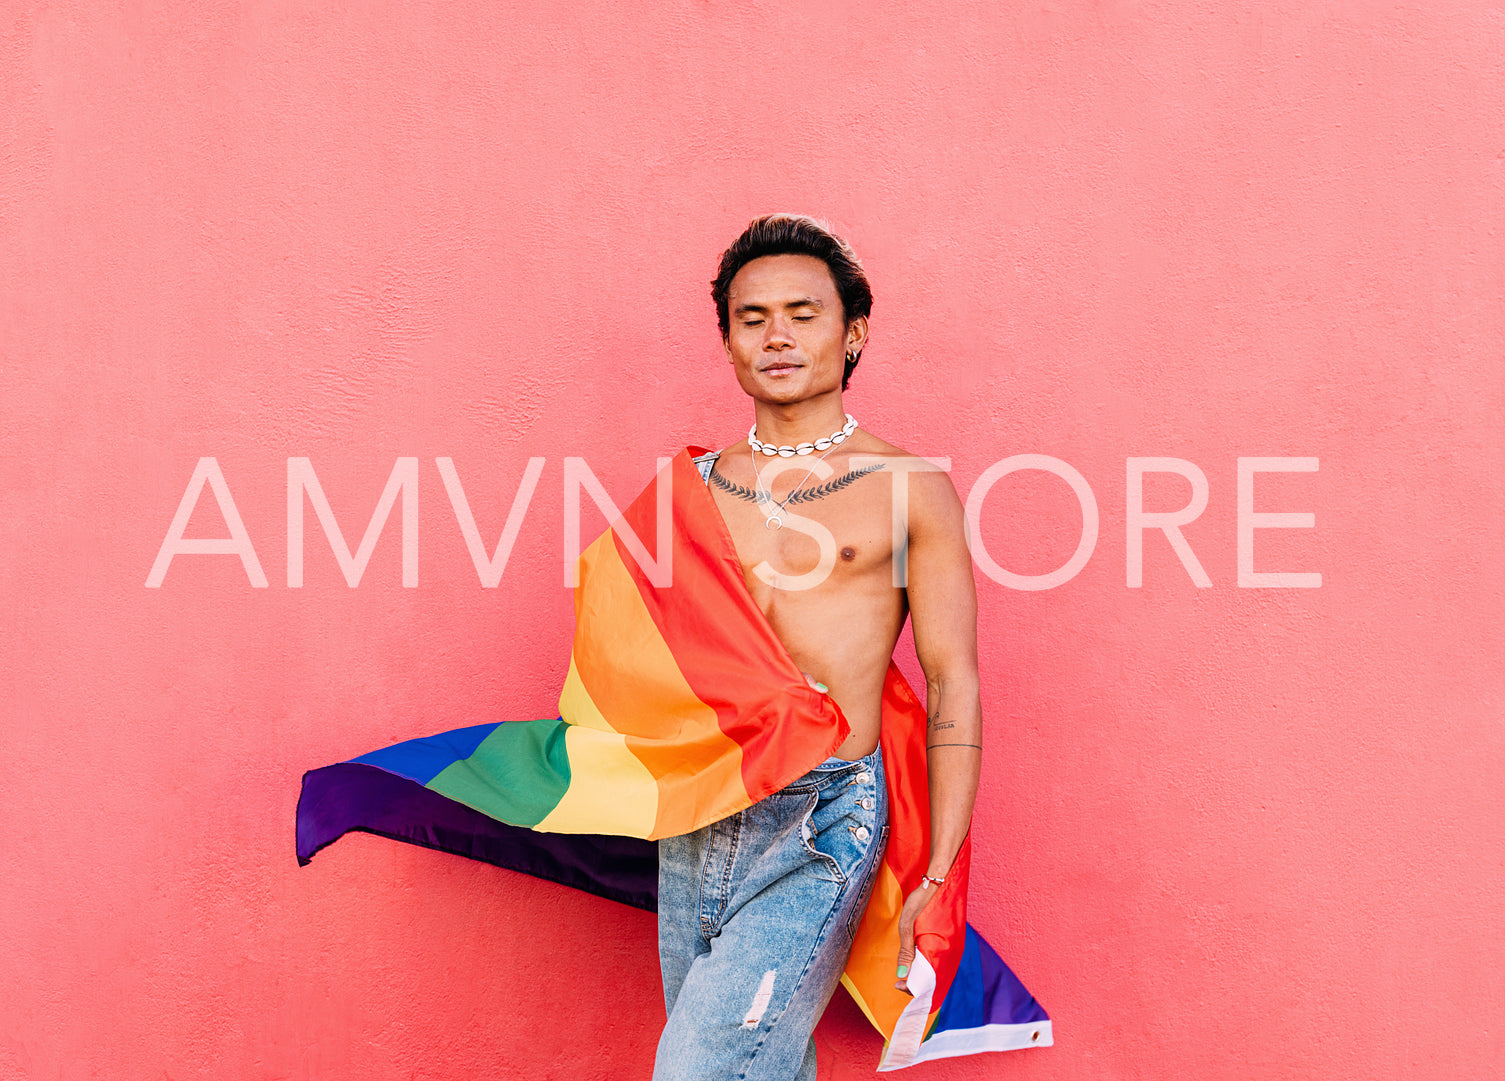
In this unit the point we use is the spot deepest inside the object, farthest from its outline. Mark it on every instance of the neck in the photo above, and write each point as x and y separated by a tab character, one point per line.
799	422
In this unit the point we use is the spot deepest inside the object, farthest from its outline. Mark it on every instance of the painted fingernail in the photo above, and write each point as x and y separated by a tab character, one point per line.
903	971
822	688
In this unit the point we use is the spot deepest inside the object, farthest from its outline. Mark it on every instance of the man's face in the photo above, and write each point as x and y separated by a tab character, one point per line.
788	336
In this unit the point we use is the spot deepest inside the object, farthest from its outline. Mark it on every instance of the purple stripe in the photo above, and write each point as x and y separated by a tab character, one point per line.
355	796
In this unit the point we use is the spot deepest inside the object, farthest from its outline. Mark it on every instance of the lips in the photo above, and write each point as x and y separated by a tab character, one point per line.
780	369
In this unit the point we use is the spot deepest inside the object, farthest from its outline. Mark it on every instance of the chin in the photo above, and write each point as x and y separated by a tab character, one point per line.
785	394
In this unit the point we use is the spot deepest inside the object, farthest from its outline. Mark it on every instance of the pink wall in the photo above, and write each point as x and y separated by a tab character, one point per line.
1225	833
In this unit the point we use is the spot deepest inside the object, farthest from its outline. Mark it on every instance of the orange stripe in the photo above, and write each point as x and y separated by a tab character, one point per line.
875	953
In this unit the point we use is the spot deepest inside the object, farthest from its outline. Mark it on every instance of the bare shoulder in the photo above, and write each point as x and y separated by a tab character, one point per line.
933	504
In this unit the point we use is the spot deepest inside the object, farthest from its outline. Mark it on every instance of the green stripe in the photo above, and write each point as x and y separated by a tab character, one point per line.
518	774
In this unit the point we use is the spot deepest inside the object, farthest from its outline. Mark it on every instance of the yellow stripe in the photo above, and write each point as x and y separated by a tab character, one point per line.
846	981
610	790
576	705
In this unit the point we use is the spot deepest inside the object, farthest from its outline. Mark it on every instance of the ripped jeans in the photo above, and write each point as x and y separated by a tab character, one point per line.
755	919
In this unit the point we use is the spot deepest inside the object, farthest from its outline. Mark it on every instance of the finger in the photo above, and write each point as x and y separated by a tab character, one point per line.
815	683
906	944
906	959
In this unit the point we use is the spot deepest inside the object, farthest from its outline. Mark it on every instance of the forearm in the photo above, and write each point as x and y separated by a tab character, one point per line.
953	740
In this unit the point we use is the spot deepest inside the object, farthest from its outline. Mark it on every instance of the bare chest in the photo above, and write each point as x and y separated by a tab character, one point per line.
800	533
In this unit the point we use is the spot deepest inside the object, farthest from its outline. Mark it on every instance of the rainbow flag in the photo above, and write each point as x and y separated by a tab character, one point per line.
681	706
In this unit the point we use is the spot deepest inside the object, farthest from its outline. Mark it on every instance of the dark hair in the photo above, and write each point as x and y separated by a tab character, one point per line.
796	234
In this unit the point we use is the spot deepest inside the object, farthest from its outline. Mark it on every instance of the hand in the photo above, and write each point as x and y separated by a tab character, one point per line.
914	904
817	684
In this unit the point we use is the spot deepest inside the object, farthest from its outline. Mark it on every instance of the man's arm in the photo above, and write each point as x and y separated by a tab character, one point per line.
943	614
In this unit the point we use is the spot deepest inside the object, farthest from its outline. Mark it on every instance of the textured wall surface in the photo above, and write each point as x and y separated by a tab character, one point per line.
1224	833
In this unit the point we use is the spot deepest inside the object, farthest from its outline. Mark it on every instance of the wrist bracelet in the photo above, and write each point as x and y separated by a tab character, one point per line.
926	882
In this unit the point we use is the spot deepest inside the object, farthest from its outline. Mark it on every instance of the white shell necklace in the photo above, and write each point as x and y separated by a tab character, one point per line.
836	438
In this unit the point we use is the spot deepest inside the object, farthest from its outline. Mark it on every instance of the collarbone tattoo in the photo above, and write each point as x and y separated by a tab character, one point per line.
804	495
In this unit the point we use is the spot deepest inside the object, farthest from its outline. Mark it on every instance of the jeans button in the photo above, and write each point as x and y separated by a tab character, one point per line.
864	777
861	832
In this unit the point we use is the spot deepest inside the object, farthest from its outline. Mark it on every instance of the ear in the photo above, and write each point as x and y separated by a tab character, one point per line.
726	345
857	334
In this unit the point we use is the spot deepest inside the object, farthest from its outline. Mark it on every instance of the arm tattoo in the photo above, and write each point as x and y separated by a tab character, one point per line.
937	723
806	495
933	746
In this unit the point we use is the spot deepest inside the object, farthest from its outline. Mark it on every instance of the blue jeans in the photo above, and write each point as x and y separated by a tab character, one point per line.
755	919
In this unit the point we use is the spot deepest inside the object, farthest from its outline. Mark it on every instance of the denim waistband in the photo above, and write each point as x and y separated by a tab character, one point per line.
835	762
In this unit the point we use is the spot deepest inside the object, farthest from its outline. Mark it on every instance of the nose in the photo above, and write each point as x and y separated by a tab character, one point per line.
778	335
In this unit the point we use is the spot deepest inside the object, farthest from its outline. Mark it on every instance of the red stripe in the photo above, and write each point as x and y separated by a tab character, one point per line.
728	652
941	930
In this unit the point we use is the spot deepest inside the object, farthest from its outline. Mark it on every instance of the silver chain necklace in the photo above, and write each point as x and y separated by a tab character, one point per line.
765	496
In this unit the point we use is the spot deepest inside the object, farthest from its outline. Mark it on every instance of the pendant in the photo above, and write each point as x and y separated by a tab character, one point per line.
774	522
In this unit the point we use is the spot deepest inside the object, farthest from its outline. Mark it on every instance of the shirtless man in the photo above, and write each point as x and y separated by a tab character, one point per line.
776	890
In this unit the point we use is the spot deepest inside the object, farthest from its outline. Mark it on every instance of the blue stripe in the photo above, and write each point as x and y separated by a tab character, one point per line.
985	992
424	759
